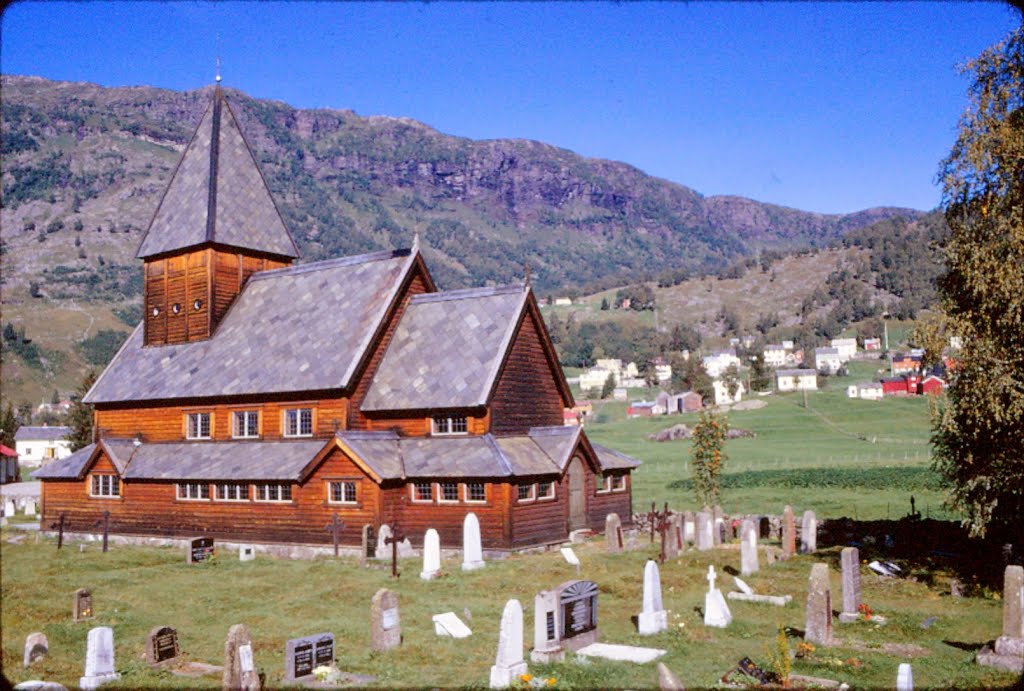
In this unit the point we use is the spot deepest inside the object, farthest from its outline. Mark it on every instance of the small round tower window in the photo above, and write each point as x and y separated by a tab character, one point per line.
176	308
156	311
197	304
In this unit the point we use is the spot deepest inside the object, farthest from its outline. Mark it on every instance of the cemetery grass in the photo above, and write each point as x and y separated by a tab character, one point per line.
137	588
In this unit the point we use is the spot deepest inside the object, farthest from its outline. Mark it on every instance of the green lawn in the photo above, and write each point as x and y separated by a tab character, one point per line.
136	588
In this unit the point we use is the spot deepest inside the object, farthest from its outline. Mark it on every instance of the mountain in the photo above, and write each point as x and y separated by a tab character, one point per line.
87	162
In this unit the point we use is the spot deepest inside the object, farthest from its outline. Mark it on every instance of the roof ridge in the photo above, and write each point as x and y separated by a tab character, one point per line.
333	263
465	293
383	434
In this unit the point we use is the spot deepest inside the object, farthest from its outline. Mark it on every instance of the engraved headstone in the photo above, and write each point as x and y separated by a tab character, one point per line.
904	678
509	663
809	533
239	667
689	527
716	611
788	533
472	548
385	623
653	619
199	549
718	525
748	549
36	648
303	655
369	545
99	658
547	640
673	538
849	558
1011	643
613	533
764	528
818	627
81	607
30	507
383	550
667	680
9	508
161	645
449	624
705	530
431	555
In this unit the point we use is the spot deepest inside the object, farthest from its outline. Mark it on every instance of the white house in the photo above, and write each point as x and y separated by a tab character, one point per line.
722	396
796	379
40	445
871	391
775	355
663	373
847	348
718	361
563	302
872	344
827	360
788	345
594	378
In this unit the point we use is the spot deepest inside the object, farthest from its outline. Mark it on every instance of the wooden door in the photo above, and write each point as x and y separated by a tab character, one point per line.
577	495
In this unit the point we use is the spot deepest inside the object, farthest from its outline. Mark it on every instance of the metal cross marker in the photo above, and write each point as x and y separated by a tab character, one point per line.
60	530
664	529
335	526
393	539
652	516
106	528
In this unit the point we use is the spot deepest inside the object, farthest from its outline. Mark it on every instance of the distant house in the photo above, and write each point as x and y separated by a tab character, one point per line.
718	361
594	378
796	379
775	355
40	445
931	385
673	404
902	363
722	395
570	418
903	385
619	394
584	408
9	471
788	345
872	344
641	409
871	391
847	347
59	407
827	360
563	302
663	372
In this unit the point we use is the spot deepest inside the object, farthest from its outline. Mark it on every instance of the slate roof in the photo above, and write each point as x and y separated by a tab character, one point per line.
300	328
447	349
44	433
610	459
66	468
795	372
217	194
241	460
826	351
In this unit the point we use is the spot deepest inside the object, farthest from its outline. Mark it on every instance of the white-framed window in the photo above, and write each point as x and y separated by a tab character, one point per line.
193	491
546	490
604	484
105	486
245	424
298	422
273	491
422	492
527	491
618	483
198	426
341	492
449	424
232	491
448	492
476	493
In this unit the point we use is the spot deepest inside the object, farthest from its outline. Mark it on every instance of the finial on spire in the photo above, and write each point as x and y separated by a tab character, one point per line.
415	241
217	78
526	274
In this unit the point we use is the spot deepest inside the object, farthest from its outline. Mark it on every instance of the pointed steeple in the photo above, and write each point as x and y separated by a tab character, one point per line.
217	195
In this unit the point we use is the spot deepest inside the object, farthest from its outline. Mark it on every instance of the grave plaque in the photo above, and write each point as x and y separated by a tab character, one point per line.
36	648
82	605
161	645
200	549
303	655
385	622
578	600
239	667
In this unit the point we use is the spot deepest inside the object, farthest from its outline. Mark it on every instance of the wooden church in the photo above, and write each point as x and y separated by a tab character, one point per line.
258	398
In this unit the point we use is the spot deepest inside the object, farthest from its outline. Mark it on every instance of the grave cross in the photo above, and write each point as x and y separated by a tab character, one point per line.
335	526
664	529
59	525
106	528
393	539
652	517
711	578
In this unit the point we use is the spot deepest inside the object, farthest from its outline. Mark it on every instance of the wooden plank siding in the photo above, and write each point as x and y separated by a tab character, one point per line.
540	521
601	504
415	518
477	422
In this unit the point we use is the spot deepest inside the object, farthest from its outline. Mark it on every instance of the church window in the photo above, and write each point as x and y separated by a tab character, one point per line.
198	426
449	491
193	490
618	483
343	492
273	491
105	486
454	424
298	422
475	492
156	311
232	491
422	491
546	490
176	308
245	424
197	304
527	491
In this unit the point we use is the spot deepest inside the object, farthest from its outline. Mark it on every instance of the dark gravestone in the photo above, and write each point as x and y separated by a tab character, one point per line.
577	601
200	549
82	605
161	645
303	655
764	527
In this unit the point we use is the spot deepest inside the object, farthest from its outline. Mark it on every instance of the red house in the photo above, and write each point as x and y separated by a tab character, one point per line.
905	385
931	385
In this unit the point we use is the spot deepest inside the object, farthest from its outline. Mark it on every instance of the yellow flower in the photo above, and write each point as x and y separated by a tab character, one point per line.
526	677
551	681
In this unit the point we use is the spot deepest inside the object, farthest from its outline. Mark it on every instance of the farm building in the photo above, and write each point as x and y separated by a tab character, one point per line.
775	355
847	347
42	444
796	379
903	385
872	344
903	363
827	360
675	403
870	391
931	385
259	398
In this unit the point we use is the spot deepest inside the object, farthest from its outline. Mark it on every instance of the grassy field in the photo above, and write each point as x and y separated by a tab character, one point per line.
137	588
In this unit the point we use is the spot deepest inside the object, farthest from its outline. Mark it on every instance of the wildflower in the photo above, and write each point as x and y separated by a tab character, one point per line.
551	681
526	677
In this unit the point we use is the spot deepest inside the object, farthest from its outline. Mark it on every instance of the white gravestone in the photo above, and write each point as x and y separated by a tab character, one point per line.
705	531
36	648
689	527
99	658
905	678
8	508
547	645
449	624
472	549
247	553
716	611
653	619
742	585
571	558
431	555
748	549
383	550
30	508
809	533
509	663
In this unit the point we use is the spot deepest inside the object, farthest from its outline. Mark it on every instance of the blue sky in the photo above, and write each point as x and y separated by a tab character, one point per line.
821	106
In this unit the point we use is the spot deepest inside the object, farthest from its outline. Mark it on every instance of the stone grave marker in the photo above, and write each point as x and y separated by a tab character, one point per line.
303	655
383	550
809	533
161	645
653	619
247	553
30	507
565	618
748	548
667	680
718	525
509	663
546	639
570	557
613	533
385	623
818	627
788	533
905	678
849	558
472	547
9	509
431	555
369	545
705	529
689	527
99	658
716	611
1011	643
764	527
200	549
81	605
449	624
36	648
239	666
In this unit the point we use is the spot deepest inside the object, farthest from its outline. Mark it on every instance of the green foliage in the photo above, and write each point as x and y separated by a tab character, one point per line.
640	297
690	375
103	282
101	348
8	426
708	457
129	314
780	657
760	377
903	479
37	181
80	415
609	386
15	342
977	434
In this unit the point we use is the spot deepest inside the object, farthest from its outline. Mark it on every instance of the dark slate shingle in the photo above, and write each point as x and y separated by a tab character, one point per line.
268	460
41	433
66	468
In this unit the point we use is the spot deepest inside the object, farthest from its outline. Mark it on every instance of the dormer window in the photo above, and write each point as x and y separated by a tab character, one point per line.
298	422
198	426
449	425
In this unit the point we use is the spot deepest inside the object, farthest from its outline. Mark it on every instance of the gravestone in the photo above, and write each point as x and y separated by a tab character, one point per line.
788	533
30	507
509	663
764	528
653	619
369	545
667	680
673	536
383	550
9	509
570	557
99	658
565	618
689	527
449	624
748	548
161	645
547	641
36	648
303	655
904	678
385	623
716	611
200	549
818	627
849	558
239	666
81	605
1011	643
472	548
705	528
247	553
718	525
431	555
613	533
809	533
